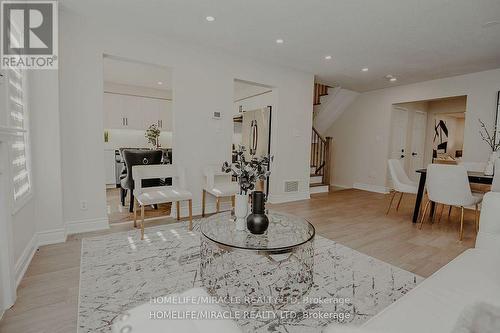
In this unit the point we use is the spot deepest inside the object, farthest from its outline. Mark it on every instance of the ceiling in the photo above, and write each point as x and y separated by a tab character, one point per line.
412	40
124	71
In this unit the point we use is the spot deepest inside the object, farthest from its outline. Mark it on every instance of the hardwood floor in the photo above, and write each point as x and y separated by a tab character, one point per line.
48	294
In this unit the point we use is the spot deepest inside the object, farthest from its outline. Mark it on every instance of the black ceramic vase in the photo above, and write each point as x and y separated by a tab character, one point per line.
257	222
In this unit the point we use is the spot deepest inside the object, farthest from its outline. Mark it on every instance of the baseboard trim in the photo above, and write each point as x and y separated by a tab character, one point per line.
24	261
341	186
79	226
53	236
371	188
288	197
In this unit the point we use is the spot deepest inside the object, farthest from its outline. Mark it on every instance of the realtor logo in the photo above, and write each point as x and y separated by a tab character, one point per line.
29	35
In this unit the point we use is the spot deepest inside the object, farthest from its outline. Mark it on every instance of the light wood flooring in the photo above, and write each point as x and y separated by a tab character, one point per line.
48	294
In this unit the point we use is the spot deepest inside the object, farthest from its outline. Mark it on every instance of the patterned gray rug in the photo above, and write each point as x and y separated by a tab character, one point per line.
119	271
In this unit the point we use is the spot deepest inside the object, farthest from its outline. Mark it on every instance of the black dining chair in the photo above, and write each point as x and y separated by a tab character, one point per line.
139	157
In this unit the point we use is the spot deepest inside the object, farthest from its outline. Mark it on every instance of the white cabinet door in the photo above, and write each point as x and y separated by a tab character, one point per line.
114	116
165	115
133	119
149	112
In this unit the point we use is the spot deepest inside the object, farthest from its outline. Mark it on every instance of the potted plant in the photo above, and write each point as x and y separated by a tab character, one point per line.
247	173
494	145
153	136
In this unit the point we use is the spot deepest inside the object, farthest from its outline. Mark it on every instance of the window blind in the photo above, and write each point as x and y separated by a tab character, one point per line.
16	92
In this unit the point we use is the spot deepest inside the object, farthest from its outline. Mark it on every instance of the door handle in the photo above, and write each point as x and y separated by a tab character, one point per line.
414	154
402	156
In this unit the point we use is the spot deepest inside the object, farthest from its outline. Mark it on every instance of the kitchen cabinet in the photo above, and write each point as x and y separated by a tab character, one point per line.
135	112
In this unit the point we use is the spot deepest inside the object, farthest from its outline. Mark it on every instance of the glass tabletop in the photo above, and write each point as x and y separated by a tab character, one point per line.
285	232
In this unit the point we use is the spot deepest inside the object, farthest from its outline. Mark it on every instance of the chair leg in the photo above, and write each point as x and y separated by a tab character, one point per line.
217	204
190	215
441	213
203	198
142	222
476	218
178	208
449	211
131	208
123	194
423	214
135	214
399	202
390	203
462	224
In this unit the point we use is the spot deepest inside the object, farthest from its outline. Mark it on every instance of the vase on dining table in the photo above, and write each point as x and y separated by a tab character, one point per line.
490	165
241	211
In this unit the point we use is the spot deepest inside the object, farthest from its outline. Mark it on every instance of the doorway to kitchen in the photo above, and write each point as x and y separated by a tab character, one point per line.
137	116
429	131
252	119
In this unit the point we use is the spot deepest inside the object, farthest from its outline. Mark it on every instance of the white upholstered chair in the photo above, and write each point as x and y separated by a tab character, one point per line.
160	194
488	236
401	182
495	187
449	185
218	184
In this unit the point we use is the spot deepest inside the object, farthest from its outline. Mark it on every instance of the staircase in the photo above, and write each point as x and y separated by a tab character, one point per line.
320	163
320	90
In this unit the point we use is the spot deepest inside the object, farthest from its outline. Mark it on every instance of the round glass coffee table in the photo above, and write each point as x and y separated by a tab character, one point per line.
272	269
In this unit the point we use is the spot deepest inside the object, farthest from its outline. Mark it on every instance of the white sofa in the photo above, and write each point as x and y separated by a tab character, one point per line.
437	303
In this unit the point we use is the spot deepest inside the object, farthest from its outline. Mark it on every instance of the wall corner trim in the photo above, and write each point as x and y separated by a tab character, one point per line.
288	197
53	236
87	225
24	261
371	188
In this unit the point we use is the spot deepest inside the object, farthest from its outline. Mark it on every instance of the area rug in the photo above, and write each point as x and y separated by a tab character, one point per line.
119	271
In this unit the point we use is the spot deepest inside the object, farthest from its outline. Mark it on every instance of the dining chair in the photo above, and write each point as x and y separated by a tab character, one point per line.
449	185
219	184
495	186
146	196
400	181
134	157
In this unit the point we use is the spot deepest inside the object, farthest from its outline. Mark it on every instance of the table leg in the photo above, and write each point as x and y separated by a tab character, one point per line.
420	194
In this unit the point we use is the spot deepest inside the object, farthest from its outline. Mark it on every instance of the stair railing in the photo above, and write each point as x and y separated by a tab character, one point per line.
320	156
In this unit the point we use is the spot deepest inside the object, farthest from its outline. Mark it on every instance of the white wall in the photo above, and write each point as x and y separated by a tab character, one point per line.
197	139
361	134
136	90
46	156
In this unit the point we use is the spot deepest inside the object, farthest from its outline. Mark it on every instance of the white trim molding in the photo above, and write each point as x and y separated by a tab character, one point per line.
25	259
288	197
53	236
371	188
79	226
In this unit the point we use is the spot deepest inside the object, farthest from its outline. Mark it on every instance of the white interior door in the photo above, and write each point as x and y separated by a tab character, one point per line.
417	144
399	133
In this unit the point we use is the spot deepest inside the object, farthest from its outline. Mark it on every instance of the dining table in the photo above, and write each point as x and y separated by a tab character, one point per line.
474	177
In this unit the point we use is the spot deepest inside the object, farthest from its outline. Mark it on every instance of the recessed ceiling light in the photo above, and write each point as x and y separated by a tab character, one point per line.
210	18
364	69
160	83
279	41
328	57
